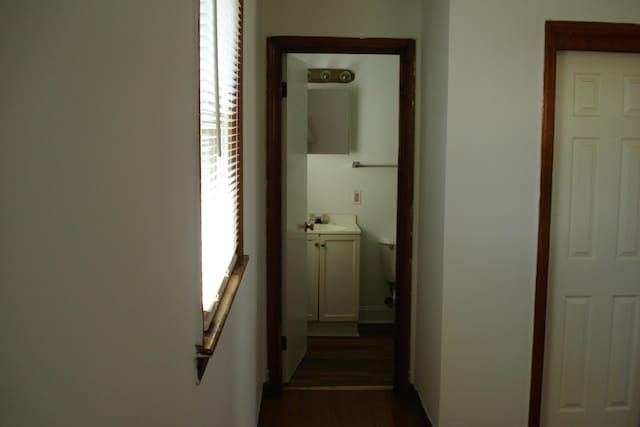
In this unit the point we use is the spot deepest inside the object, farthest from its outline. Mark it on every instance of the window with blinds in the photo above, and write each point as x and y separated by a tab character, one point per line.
220	146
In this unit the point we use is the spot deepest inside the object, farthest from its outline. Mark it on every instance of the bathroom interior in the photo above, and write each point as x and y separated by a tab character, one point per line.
352	141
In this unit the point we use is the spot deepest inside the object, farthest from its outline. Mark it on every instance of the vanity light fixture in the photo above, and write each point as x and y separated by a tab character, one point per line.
330	75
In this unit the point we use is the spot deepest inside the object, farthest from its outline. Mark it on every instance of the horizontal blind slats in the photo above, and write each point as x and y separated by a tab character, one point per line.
220	148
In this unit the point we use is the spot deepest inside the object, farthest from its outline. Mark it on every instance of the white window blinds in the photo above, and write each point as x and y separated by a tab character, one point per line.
220	50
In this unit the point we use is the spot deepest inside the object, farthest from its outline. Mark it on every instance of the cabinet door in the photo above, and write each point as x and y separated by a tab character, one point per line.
312	276
339	278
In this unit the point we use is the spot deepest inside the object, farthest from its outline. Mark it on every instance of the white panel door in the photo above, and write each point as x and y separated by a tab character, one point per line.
294	289
592	375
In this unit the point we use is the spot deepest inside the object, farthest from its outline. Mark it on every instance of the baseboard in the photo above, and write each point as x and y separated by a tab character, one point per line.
340	387
376	314
413	393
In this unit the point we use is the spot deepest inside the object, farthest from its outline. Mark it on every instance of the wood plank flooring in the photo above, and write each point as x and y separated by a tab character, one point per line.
340	408
345	361
340	361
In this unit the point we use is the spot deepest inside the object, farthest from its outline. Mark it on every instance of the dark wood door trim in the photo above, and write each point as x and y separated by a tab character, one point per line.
561	35
405	49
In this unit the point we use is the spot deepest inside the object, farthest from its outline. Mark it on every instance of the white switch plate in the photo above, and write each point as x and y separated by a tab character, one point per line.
356	197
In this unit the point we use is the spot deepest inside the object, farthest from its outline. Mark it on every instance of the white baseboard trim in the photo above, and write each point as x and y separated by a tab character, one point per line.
376	314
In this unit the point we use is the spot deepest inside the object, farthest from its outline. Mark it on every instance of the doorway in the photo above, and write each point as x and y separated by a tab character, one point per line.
277	48
570	36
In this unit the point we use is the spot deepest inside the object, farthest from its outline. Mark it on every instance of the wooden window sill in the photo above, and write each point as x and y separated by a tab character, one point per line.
212	335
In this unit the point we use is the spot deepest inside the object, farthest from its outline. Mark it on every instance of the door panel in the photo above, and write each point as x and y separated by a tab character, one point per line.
621	357
294	304
339	278
592	377
629	220
312	276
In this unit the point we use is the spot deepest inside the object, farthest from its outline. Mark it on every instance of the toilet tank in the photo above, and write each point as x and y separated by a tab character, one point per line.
387	249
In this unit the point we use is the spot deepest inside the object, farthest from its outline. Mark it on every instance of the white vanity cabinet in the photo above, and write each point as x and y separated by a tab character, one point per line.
333	269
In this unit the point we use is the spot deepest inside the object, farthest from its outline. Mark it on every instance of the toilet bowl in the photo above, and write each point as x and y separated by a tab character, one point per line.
387	250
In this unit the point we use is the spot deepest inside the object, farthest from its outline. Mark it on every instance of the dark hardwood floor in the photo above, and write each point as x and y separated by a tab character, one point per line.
342	361
345	361
340	408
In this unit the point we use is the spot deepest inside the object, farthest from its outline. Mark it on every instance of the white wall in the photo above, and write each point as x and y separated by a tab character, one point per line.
99	248
336	18
491	201
332	180
435	51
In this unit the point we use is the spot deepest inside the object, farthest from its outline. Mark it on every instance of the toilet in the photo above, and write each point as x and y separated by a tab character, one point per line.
387	249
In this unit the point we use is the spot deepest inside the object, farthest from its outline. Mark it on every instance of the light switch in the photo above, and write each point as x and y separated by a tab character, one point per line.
357	197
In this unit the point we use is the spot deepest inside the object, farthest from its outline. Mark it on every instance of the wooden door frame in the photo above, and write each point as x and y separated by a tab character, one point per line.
559	36
405	49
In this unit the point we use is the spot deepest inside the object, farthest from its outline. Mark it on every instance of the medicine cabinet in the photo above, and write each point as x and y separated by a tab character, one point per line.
330	121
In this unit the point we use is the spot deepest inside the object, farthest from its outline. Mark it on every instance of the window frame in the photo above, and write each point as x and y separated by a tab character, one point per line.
218	316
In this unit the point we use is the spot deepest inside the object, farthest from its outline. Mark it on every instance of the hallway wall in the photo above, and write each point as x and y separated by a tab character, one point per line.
493	115
434	95
335	18
99	252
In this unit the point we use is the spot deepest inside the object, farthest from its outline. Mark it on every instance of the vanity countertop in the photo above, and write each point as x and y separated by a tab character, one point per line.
335	229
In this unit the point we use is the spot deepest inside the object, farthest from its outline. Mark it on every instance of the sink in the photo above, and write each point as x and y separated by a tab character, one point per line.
335	229
328	227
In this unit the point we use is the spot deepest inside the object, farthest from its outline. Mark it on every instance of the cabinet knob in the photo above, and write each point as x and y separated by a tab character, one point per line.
316	244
